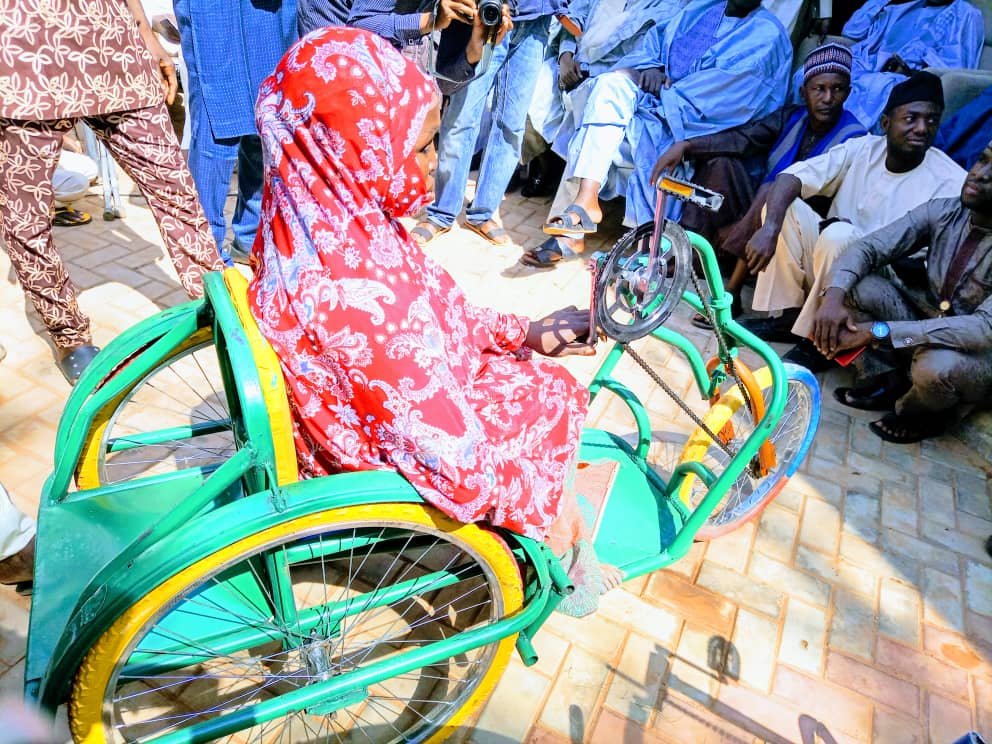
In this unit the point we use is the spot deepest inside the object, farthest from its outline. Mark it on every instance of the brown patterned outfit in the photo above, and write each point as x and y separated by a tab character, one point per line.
62	60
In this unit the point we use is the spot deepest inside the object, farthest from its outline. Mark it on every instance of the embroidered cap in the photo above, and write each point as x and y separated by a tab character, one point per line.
920	86
831	57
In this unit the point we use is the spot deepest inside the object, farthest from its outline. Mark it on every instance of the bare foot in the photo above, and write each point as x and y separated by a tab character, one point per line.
612	577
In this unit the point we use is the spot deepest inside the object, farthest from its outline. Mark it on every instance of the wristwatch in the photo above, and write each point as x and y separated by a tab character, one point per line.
880	330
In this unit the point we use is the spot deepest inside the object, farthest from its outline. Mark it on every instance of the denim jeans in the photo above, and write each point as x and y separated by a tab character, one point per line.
513	74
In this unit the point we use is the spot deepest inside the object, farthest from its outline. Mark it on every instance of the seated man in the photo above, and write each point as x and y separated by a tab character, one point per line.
896	38
724	161
607	31
873	181
717	64
930	350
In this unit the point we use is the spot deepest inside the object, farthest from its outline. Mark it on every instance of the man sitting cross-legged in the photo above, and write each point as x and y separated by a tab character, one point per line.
872	180
726	161
717	64
931	349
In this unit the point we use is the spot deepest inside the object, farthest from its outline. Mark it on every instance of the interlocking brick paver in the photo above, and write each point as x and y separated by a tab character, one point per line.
820	528
576	692
695	603
789	580
897	728
697	665
948	719
852	626
803	636
777	533
742	589
957	650
846	711
921	669
978	588
942	599
637	678
899	611
892	540
756	641
878	685
513	706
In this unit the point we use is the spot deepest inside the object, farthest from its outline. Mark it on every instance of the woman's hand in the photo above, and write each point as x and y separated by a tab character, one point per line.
562	333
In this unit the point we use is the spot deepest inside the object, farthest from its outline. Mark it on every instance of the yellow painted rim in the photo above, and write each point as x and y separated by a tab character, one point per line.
86	703
271	379
88	467
717	417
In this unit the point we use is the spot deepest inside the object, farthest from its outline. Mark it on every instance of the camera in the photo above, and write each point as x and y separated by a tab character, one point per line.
491	12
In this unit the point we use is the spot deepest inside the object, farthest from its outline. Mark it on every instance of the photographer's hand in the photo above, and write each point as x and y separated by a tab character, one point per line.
482	33
448	11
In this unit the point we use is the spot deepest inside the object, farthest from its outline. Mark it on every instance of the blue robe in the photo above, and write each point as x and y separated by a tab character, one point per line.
964	135
922	35
742	76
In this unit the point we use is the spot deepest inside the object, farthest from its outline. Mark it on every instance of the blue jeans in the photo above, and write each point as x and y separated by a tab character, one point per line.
513	72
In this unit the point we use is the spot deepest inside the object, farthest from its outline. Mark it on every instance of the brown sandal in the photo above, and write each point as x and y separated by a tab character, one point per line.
426	231
495	235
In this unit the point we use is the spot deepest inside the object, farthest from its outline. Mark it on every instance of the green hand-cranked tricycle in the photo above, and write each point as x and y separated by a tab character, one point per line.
190	587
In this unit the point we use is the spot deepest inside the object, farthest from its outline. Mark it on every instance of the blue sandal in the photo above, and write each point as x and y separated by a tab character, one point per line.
574	220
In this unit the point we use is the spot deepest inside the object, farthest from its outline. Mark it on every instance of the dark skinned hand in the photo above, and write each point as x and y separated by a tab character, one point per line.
562	333
668	160
831	319
569	74
855	339
760	248
652	80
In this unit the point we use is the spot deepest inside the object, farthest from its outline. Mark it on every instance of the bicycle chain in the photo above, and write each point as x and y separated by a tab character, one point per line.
674	396
721	342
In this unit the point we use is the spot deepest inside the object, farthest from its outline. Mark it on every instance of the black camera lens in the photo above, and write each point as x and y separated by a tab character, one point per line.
491	12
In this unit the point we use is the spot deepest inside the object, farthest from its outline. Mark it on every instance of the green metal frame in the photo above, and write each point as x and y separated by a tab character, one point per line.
117	542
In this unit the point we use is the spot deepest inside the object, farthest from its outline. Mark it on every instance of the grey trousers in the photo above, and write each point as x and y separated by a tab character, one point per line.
941	378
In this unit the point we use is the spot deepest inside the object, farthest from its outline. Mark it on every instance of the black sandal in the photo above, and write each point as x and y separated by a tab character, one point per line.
545	256
573	220
907	429
880	396
67	217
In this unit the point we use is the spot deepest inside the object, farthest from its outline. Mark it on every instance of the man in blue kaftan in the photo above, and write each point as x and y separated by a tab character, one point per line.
715	65
226	69
610	30
896	38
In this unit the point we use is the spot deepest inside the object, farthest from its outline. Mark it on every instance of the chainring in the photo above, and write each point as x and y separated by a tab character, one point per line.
633	299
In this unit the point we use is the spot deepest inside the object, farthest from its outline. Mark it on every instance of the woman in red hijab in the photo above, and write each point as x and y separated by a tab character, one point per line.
387	364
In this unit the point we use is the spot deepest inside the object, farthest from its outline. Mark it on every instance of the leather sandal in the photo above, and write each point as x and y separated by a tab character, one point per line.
68	217
495	235
879	396
72	364
907	429
426	231
573	220
545	256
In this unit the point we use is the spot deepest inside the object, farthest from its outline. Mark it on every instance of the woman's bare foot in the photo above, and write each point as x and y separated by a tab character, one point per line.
612	577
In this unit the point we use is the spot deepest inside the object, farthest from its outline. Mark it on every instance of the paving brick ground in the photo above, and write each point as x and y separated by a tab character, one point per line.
858	609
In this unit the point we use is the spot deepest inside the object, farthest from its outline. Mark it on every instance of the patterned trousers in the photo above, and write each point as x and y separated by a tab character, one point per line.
143	142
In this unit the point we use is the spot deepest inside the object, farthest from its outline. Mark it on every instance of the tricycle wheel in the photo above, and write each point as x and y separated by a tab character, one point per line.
176	417
791	438
228	646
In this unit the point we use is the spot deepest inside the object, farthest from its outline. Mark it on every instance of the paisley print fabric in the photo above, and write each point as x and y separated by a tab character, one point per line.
387	364
70	58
